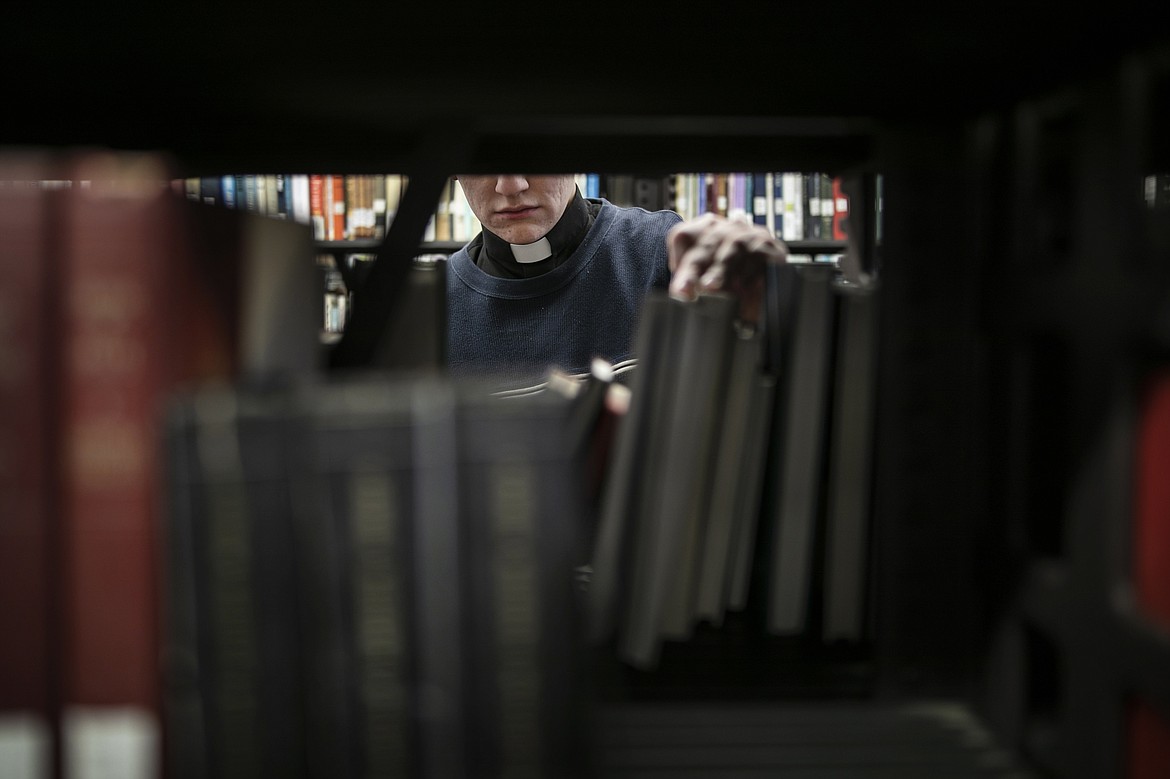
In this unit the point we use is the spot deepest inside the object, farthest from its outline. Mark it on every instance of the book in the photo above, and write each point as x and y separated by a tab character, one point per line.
280	195
748	497
221	561
639	632
113	226
268	436
761	193
28	600
828	205
335	207
692	435
850	475
593	185
522	530
840	210
735	455
357	576
797	474
438	596
613	550
317	206
779	210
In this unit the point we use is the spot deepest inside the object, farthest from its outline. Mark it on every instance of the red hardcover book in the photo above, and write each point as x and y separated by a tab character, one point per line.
26	536
336	202
317	206
840	210
1149	733
116	224
150	290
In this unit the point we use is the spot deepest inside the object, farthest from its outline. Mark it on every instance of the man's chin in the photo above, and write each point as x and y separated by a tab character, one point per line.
521	237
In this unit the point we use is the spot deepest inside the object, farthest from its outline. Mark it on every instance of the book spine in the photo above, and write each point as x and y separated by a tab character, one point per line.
378	205
799	465
335	206
271	195
317	206
228	190
779	209
112	381
27	558
811	195
299	199
251	194
262	204
281	192
840	210
377	518
225	596
761	194
828	204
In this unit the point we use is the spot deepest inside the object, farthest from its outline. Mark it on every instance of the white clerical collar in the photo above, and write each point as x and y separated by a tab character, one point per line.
532	252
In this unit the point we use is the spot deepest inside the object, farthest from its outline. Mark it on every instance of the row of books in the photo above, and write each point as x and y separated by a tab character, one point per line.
793	206
376	576
337	207
727	447
97	332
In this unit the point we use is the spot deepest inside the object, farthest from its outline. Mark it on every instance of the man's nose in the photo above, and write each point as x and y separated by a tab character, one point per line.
511	185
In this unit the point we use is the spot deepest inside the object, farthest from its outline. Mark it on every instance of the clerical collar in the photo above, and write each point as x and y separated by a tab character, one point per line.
501	258
526	253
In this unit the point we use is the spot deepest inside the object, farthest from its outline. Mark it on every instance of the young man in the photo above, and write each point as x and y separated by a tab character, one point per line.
555	280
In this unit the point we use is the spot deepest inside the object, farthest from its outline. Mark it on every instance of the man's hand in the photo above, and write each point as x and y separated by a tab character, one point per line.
711	253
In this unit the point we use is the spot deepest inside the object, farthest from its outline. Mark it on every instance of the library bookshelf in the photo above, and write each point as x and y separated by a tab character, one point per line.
1014	616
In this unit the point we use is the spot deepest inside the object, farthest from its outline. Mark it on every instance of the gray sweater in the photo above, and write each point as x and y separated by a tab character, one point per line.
584	308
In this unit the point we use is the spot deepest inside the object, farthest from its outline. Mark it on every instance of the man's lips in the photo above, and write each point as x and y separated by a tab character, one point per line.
517	213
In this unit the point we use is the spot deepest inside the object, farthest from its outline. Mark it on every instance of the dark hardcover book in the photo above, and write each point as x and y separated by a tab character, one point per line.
847	513
251	194
748	499
734	455
283	209
240	184
811	197
611	559
522	533
27	489
187	750
645	587
828	205
211	190
761	196
693	435
357	572
437	591
803	419
225	601
780	219
267	444
279	296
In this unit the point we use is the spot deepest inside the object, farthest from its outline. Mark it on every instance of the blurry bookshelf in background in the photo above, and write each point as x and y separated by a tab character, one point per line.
807	210
350	214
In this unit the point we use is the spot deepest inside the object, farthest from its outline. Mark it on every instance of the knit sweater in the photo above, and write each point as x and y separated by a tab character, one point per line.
584	308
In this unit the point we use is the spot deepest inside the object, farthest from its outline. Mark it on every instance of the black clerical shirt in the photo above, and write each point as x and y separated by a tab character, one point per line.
493	255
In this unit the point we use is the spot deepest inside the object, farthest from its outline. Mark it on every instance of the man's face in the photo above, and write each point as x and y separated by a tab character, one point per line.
519	209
